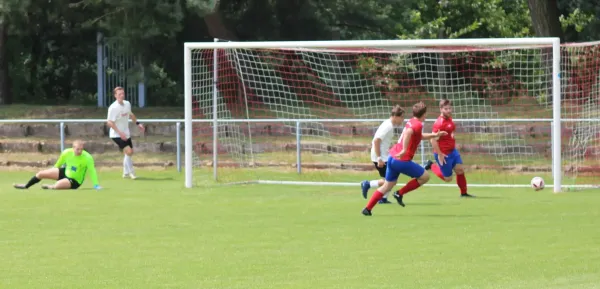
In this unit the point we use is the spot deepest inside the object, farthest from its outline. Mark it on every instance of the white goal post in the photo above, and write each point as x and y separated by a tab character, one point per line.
395	45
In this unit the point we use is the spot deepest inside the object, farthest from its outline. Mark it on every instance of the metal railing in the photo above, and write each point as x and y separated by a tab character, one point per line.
61	125
178	123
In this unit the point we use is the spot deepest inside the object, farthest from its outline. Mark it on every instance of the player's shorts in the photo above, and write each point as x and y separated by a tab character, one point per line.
452	159
381	170
396	167
63	175
123	143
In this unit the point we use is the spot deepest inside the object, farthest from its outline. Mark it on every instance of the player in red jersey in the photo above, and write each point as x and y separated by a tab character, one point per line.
446	155
400	160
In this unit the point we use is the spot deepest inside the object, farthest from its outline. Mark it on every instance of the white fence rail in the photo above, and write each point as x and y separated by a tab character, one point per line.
61	125
178	123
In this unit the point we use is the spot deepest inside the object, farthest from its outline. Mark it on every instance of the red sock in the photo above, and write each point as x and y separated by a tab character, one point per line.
410	186
437	171
377	195
461	181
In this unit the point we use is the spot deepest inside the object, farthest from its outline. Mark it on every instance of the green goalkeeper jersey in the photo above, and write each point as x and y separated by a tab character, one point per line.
77	166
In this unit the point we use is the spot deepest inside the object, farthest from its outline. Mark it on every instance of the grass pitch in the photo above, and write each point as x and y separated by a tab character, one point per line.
153	233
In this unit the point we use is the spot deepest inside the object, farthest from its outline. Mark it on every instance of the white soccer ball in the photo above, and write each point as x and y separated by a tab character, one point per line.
537	183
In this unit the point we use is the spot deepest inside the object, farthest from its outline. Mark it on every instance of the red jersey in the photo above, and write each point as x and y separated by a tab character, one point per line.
415	140
447	142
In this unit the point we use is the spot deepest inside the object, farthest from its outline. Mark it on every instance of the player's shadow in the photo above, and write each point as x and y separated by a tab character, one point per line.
153	179
431	215
447	215
425	204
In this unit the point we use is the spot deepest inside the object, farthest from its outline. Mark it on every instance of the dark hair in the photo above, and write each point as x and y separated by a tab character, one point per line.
419	109
397	111
444	102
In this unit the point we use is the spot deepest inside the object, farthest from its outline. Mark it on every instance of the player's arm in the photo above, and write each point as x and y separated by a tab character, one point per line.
135	120
377	147
435	145
434	135
434	141
61	160
91	169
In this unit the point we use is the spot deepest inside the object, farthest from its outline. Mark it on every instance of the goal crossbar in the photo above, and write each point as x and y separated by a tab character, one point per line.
398	44
509	42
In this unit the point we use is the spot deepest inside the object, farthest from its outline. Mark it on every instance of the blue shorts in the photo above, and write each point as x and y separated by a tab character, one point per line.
452	159
396	167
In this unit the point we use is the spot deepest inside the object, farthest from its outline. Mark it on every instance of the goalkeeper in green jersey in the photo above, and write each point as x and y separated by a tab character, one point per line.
69	171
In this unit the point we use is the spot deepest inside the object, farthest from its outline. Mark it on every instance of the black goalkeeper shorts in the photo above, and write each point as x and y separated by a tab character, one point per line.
123	143
62	175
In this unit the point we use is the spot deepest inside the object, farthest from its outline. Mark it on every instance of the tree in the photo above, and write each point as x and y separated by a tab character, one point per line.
5	96
10	10
465	18
545	18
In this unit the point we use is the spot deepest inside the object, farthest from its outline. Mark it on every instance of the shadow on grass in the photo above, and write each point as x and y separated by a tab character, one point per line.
424	204
428	215
154	179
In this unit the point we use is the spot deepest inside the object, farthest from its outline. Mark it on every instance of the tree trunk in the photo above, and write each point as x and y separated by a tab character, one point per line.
546	23
216	26
544	17
5	96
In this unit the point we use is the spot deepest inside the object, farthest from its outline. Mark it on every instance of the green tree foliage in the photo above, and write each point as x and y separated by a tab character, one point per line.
466	18
11	13
48	48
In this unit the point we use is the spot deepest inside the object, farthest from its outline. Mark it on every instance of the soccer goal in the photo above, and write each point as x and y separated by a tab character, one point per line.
304	113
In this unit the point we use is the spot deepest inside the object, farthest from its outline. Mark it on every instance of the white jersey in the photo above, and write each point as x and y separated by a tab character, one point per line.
385	132
119	114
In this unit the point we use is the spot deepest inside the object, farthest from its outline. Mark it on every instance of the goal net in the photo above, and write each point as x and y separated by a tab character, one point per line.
306	112
581	113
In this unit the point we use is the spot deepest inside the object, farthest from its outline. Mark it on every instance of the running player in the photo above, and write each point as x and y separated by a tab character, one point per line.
446	155
400	160
380	146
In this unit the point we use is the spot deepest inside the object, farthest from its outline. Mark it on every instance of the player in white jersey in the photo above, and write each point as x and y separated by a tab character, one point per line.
119	113
380	147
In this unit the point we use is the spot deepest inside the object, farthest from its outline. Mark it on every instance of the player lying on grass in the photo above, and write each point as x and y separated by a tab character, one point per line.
400	160
69	171
380	146
447	157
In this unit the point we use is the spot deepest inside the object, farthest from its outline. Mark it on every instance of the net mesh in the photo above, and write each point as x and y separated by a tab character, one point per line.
580	105
499	95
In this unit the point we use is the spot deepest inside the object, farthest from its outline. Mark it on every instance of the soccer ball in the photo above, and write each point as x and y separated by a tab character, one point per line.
537	183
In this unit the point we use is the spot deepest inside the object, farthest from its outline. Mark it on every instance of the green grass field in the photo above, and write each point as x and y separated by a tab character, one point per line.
153	233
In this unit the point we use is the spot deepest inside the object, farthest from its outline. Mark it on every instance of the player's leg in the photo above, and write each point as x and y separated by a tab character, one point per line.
377	196
461	179
380	182
419	177
366	185
444	172
391	177
122	144
49	174
62	184
128	153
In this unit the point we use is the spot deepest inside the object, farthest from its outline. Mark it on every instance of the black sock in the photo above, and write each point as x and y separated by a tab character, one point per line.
32	182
